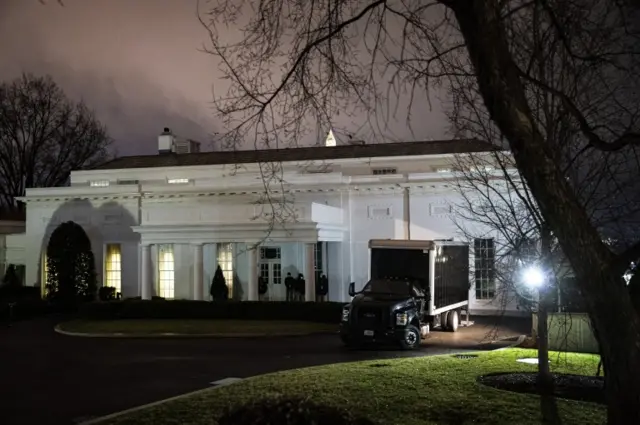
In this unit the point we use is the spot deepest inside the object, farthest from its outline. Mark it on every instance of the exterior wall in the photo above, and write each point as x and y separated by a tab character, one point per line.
428	220
104	221
11	244
14	249
369	222
345	207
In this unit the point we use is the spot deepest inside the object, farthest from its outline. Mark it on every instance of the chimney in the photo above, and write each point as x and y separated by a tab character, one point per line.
165	141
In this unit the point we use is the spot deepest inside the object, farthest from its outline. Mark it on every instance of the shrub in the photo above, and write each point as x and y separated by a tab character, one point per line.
11	278
139	298
219	290
27	309
107	293
328	312
289	411
71	274
17	293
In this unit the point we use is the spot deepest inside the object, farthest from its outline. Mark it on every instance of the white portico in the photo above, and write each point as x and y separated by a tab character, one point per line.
250	239
161	224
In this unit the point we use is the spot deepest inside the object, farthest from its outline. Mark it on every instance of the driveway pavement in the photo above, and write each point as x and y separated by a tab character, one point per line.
48	378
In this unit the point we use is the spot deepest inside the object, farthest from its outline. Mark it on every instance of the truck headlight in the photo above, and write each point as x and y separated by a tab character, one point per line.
345	314
402	319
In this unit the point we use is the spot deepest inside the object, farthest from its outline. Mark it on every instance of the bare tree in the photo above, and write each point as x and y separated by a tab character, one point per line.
44	136
297	62
493	202
497	200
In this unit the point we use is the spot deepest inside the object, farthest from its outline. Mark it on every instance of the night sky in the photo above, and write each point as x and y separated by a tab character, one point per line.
137	64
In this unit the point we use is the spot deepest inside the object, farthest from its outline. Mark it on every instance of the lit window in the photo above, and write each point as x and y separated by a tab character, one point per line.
44	271
484	252
113	267
225	261
443	170
99	183
277	273
166	271
178	181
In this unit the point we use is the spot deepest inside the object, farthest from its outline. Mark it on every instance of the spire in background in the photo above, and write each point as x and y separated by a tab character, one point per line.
331	139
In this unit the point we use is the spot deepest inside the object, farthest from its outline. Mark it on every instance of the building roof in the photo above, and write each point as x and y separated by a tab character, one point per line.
317	153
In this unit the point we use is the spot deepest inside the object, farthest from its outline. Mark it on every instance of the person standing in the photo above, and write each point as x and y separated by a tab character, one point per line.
322	288
300	287
289	283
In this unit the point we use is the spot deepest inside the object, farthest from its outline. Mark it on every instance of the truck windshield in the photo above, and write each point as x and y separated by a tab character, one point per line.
385	286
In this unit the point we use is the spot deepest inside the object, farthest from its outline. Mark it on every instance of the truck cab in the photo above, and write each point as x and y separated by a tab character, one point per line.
413	287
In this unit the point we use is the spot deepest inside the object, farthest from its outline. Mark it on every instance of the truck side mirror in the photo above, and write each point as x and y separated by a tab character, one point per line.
352	289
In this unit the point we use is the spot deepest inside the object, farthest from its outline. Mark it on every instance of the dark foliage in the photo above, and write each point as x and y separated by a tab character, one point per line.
139	298
329	312
289	411
634	289
11	278
44	135
219	290
71	274
19	292
572	387
26	308
107	293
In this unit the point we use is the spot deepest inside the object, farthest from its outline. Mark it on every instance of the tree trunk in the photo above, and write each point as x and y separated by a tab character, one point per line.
548	403
616	323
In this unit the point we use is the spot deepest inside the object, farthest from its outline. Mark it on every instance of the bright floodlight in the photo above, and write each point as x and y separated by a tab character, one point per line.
533	276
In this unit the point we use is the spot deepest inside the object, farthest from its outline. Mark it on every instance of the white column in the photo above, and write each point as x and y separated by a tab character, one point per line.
432	279
406	216
145	275
253	294
198	287
310	278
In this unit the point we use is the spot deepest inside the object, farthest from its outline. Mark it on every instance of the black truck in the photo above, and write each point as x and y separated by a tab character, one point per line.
414	286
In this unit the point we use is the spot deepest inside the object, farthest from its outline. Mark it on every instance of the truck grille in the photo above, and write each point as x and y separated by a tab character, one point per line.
371	318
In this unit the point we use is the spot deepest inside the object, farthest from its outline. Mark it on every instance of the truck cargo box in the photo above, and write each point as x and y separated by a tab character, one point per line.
411	260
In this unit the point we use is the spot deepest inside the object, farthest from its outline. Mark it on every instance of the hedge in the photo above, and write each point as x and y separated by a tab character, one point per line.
16	293
324	312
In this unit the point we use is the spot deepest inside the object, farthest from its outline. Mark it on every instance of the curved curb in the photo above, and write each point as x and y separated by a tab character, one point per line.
516	343
178	335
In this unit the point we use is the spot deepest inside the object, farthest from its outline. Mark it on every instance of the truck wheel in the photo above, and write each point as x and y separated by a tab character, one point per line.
444	321
411	338
452	321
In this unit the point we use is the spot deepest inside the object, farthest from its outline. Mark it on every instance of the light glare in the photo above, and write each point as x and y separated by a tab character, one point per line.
533	276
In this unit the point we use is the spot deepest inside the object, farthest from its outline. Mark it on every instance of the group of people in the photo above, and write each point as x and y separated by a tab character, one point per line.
296	287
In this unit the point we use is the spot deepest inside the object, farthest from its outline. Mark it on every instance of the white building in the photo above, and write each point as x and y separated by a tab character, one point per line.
160	224
12	229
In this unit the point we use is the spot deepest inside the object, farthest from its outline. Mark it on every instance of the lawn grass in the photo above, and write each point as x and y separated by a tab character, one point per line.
409	391
195	327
